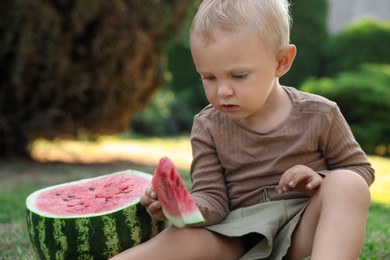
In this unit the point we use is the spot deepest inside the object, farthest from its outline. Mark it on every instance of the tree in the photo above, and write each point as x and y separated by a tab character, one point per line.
68	66
309	33
172	110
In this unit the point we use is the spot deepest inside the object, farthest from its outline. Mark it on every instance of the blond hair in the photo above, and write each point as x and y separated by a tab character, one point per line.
269	18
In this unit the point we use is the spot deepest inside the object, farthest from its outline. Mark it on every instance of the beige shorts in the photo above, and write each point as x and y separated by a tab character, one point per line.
272	222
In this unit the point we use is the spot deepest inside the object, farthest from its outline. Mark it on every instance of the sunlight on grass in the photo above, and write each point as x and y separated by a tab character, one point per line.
109	149
380	189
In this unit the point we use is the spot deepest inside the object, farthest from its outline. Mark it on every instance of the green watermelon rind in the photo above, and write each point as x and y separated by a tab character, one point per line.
185	220
92	236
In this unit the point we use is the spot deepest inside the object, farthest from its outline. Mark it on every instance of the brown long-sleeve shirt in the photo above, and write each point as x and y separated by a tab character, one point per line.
232	165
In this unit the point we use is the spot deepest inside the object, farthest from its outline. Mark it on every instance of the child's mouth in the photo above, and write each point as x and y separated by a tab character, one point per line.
229	108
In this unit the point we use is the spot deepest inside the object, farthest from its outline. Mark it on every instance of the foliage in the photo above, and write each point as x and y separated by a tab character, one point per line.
167	115
366	41
309	34
363	97
71	66
171	111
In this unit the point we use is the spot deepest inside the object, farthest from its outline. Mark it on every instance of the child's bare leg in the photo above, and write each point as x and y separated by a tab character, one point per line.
334	223
187	243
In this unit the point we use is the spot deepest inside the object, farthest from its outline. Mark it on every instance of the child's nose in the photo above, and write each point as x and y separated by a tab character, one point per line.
224	90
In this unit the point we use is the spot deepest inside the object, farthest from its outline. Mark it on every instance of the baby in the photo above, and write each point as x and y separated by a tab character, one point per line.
276	172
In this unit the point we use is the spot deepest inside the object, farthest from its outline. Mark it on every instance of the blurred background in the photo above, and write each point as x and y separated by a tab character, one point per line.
90	68
93	86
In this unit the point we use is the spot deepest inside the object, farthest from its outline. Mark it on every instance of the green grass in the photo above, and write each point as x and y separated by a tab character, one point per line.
20	178
377	241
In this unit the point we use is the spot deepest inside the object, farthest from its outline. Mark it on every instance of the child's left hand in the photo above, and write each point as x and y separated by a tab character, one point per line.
300	178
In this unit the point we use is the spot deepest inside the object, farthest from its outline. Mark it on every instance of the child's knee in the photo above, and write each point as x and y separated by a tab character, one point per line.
348	185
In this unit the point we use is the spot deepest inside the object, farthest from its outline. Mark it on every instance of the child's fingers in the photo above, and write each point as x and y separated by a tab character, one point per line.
149	197
315	182
146	200
152	205
298	178
288	180
151	193
282	184
156	205
155	210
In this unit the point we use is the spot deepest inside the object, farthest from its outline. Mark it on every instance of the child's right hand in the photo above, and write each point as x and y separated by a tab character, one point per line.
152	205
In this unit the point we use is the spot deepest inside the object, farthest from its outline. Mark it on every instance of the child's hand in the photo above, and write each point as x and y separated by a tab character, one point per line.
300	178
152	205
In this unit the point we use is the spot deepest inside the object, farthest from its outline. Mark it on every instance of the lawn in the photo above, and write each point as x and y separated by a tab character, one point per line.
61	161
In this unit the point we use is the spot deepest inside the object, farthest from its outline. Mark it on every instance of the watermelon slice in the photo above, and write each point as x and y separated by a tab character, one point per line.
92	218
177	204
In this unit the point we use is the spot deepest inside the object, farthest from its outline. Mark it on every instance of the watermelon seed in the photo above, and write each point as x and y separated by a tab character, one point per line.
123	187
58	194
71	196
91	189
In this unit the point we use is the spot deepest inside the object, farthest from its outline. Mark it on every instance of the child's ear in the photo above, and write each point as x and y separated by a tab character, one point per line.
285	60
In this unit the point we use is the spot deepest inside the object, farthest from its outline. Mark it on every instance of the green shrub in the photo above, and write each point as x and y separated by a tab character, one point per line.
363	42
309	34
166	115
172	110
364	99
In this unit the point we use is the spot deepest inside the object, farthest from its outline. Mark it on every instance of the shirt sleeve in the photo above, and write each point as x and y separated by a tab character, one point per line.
208	182
342	151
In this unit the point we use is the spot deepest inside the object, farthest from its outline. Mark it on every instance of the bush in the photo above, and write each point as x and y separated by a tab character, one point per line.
363	42
172	110
166	115
309	34
363	97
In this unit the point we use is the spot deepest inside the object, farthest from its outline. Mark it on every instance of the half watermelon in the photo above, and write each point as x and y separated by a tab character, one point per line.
92	218
177	203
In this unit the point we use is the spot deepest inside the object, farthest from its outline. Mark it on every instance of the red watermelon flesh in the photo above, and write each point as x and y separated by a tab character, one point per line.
177	203
98	195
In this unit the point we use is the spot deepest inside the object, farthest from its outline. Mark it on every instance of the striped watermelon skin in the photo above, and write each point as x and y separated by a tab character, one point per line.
91	237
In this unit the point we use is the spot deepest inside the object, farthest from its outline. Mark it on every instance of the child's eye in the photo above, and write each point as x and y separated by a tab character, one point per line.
208	78
240	75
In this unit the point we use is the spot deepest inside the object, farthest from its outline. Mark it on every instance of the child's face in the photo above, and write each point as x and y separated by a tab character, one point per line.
238	72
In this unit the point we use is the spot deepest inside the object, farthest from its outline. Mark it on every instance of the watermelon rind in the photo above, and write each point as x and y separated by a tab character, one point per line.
185	220
89	236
